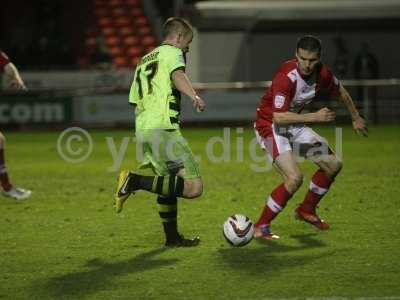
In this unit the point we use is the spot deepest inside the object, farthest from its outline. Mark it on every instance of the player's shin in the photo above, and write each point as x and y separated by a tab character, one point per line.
319	186
275	204
168	211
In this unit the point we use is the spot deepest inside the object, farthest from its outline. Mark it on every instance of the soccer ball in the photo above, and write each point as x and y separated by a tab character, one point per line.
238	230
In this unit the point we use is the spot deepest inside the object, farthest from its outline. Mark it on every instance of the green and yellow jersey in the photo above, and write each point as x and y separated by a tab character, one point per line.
153	92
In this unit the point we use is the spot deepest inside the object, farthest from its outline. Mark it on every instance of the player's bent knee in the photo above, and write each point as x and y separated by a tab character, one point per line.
194	193
336	167
197	189
194	189
333	167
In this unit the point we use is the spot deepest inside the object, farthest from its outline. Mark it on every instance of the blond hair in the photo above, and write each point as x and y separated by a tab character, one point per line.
175	26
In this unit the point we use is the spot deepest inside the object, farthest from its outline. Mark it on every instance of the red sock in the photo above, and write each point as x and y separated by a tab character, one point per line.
4	179
276	202
319	186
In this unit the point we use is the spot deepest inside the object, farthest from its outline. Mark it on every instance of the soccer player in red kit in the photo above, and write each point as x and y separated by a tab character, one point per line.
15	82
281	131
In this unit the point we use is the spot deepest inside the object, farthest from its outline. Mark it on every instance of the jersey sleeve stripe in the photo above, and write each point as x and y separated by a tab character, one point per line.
178	68
174	106
174	120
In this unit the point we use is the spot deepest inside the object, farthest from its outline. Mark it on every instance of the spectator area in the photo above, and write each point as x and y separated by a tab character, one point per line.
57	34
121	28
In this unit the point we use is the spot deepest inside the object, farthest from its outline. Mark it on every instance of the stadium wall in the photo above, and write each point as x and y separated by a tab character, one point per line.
112	109
240	56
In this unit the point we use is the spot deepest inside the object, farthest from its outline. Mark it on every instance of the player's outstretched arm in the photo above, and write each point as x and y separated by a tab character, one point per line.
183	84
358	122
13	78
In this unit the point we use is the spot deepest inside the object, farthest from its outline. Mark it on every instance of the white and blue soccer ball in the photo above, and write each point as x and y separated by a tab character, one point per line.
238	230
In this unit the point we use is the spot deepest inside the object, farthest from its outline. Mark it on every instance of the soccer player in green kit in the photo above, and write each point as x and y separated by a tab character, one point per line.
156	94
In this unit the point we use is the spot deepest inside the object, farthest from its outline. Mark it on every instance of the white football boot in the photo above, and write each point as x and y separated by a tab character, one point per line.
17	193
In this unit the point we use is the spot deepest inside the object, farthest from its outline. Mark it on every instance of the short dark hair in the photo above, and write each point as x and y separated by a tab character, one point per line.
176	25
309	43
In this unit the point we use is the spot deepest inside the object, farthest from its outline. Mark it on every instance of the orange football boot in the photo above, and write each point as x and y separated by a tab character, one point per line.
311	218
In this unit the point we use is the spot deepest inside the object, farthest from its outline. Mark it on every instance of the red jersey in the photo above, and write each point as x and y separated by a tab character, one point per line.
290	92
4	60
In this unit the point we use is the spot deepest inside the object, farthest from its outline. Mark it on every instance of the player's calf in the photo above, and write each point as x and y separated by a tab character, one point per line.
168	211
167	186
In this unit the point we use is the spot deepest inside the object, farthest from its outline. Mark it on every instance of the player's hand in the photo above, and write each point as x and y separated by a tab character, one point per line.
325	115
359	126
18	85
198	103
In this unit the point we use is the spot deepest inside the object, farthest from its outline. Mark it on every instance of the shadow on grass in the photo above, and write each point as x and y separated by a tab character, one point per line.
256	260
78	284
307	241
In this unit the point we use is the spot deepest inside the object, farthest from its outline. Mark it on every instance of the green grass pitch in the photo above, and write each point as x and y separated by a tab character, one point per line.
66	242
